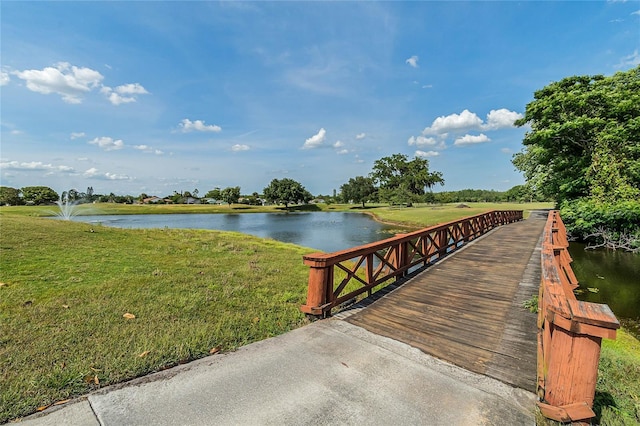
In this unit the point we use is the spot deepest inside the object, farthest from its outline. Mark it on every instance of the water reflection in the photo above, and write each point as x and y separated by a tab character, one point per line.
612	276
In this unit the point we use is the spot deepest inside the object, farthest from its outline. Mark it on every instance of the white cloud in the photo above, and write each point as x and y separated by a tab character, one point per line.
76	135
240	147
338	144
198	125
316	140
65	79
95	173
637	12
413	61
501	118
342	152
124	94
425	141
360	136
148	149
470	139
4	78
91	172
506	150
467	120
113	176
630	60
131	89
117	99
425	154
455	122
34	166
107	144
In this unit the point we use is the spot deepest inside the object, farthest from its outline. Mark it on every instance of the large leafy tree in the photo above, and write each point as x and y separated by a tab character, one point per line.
39	195
9	196
359	189
584	138
403	180
230	195
286	191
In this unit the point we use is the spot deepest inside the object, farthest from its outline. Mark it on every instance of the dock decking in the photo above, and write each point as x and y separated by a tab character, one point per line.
467	310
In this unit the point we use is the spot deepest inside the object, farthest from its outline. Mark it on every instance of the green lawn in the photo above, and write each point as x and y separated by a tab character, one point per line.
64	291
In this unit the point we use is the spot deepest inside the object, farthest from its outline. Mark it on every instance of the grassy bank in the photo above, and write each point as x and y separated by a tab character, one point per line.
617	399
64	291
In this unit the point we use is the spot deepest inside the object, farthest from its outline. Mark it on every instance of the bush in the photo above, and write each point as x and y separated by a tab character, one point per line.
588	220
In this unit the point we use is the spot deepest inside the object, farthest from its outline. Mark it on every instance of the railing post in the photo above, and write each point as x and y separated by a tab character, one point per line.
402	257
570	333
320	287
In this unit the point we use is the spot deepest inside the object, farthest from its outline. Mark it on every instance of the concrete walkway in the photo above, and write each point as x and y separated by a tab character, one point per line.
328	372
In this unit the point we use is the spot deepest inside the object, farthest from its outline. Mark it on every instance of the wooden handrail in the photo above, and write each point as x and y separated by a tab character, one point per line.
343	275
570	333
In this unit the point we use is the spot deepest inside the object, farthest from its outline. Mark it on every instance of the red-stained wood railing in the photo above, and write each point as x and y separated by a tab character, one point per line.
371	265
570	333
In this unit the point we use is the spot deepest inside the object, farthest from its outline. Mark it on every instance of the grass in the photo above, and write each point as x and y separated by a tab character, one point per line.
64	291
618	388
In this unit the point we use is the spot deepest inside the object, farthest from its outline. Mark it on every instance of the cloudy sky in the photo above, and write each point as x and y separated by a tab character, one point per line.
155	97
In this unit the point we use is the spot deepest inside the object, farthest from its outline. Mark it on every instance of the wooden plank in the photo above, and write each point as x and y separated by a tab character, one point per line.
457	309
594	314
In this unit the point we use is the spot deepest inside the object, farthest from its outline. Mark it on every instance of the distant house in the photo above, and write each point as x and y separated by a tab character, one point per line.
191	200
152	200
211	201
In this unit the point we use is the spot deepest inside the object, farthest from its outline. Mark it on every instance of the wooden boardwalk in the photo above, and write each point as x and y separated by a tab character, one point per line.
467	310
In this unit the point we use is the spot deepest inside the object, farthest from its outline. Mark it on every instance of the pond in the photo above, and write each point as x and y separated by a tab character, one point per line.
607	276
324	231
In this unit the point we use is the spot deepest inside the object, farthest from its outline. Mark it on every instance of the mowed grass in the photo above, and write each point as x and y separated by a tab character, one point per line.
64	290
427	215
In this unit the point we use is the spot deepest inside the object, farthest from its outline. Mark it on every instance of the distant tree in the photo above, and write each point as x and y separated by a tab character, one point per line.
214	193
359	189
230	195
72	195
90	195
252	200
286	191
401	180
519	193
9	196
39	195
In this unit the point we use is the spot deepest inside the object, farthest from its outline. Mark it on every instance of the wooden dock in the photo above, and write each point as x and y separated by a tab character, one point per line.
467	309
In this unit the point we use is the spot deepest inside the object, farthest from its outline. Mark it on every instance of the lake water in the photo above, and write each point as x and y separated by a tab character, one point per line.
615	275
324	231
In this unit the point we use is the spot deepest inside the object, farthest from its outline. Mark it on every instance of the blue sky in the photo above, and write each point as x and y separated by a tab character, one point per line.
157	97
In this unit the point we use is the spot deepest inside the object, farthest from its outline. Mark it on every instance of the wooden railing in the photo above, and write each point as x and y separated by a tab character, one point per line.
335	278
570	333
